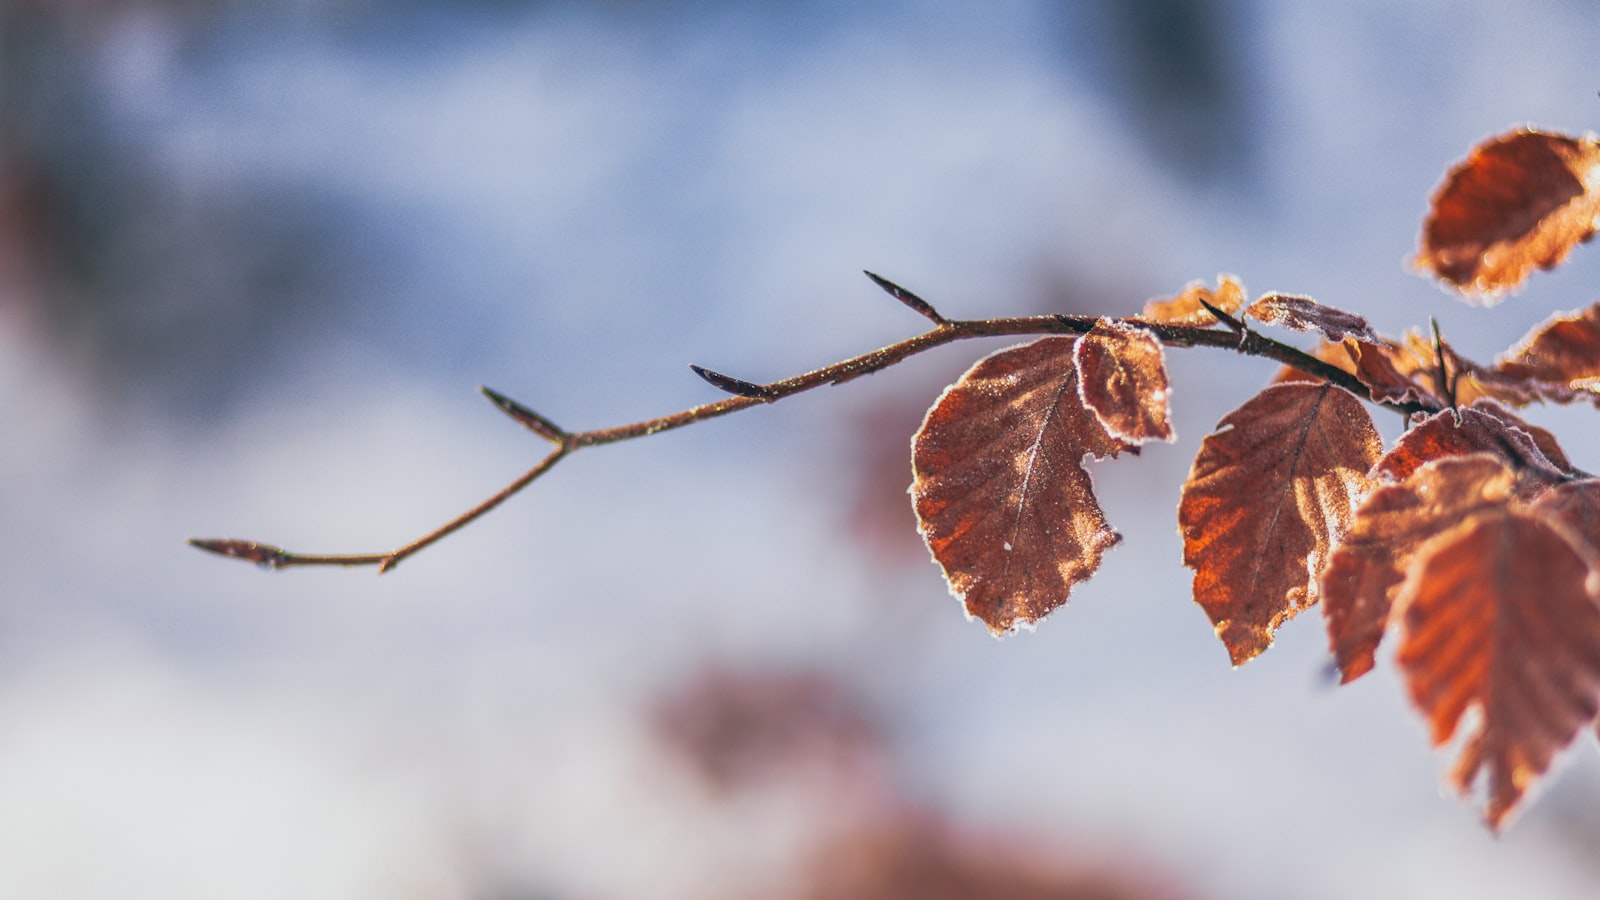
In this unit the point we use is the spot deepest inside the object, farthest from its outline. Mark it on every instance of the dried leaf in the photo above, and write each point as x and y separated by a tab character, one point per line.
1573	509
1306	314
1186	309
1122	378
1496	616
1484	427
915	856
1390	370
1520	201
1366	569
741	727
1270	491
1001	495
1560	360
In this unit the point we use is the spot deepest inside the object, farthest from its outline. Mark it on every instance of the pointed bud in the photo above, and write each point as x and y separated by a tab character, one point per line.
264	555
525	417
921	306
732	385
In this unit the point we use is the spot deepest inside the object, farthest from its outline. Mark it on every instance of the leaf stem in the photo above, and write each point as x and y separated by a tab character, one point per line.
1236	337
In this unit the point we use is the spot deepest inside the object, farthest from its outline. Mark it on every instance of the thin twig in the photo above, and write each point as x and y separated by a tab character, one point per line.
1238	338
1441	376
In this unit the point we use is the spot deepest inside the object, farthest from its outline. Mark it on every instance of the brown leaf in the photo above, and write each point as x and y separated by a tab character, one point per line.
918	857
1306	314
1270	491
1368	566
1496	616
1122	378
1390	371
1484	427
739	727
1520	201
1185	309
1559	360
1001	495
1573	509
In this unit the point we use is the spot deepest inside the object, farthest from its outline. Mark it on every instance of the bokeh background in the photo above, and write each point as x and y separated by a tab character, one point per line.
255	258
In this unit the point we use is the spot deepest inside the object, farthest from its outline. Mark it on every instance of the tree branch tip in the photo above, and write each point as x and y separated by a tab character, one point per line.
735	386
264	555
525	417
918	305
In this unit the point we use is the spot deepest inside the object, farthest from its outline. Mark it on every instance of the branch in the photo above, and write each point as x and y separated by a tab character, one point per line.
748	394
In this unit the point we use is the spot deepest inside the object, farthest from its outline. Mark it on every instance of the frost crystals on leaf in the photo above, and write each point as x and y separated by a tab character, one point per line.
1001	495
1122	377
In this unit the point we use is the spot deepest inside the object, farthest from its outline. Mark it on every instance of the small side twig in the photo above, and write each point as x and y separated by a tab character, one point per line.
1239	338
1444	381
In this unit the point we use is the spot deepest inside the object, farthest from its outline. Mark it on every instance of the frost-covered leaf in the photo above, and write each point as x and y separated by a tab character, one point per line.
1269	492
1496	616
1306	314
1520	201
1122	378
1484	427
1001	495
1186	309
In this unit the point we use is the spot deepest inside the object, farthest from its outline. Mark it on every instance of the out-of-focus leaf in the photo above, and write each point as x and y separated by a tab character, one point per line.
1269	492
1306	314
1520	201
1367	567
1186	309
1001	495
1560	360
915	858
1573	508
1122	378
1496	615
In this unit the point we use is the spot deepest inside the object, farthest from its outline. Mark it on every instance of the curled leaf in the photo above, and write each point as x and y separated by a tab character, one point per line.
1186	308
1390	371
1122	378
1269	493
1368	566
1497	617
1520	201
1306	314
1001	495
1484	427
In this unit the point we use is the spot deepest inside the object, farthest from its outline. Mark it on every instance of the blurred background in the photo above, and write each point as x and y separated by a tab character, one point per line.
256	258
